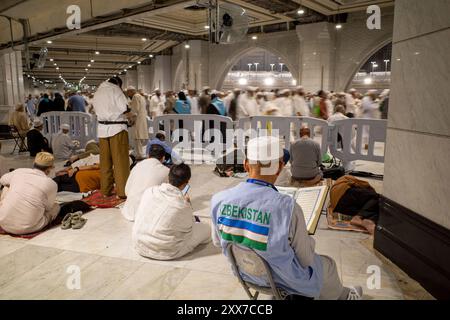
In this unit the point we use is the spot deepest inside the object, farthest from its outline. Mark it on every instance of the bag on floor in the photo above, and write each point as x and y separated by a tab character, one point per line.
230	162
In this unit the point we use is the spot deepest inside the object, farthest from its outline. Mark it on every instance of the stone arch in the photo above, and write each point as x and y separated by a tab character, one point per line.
232	60
363	57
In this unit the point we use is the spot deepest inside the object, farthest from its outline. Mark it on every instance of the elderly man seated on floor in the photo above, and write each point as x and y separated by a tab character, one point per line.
306	158
255	215
63	146
147	173
165	227
27	202
35	139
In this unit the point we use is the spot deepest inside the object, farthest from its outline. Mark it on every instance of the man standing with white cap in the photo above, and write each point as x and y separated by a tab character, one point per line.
156	104
255	215
139	131
27	202
63	146
112	111
248	106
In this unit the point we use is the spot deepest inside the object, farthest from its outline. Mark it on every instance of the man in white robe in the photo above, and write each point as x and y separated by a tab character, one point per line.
27	202
301	108
284	102
147	173
165	227
247	106
62	145
139	131
156	104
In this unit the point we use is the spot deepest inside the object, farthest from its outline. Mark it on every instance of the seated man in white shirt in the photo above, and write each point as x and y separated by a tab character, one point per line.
147	173
27	202
165	227
63	146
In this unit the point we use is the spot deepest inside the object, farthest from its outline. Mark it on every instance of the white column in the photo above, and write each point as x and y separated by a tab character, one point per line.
317	41
162	75
11	83
144	78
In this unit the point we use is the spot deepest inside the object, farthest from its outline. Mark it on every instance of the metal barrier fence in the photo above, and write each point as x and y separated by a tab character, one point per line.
287	128
357	134
194	132
83	126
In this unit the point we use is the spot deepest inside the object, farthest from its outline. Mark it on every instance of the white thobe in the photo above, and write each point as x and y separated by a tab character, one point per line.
147	173
63	146
109	104
194	105
165	228
247	107
28	202
156	106
300	106
285	105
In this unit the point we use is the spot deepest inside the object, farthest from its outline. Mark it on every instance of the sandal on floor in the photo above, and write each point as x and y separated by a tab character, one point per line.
77	221
66	222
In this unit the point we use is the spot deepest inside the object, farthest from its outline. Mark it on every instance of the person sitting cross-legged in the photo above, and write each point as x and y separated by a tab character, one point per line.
306	158
165	227
27	202
147	173
255	215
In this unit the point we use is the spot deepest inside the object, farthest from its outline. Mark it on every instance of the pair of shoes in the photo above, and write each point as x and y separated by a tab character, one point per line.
73	220
356	293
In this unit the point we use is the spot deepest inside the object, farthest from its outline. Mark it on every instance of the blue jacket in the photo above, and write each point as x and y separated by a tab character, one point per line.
259	217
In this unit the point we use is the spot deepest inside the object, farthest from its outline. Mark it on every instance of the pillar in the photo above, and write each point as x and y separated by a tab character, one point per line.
414	221
144	78
318	50
11	83
162	74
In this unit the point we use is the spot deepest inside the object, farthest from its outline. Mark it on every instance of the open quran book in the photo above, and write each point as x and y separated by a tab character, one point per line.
311	200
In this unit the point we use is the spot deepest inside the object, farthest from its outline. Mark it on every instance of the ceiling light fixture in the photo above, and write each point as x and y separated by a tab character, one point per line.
254	37
301	11
49	41
144	39
92	60
97	52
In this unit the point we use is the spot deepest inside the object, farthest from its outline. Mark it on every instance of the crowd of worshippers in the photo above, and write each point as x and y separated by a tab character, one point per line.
155	189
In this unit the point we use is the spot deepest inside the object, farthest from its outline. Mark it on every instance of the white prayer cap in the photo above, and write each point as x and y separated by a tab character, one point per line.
250	88
206	88
214	92
131	88
284	91
299	87
265	148
156	89
65	126
236	89
352	90
37	122
372	91
44	159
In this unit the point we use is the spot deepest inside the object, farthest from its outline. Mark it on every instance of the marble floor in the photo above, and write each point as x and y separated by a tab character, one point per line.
46	266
